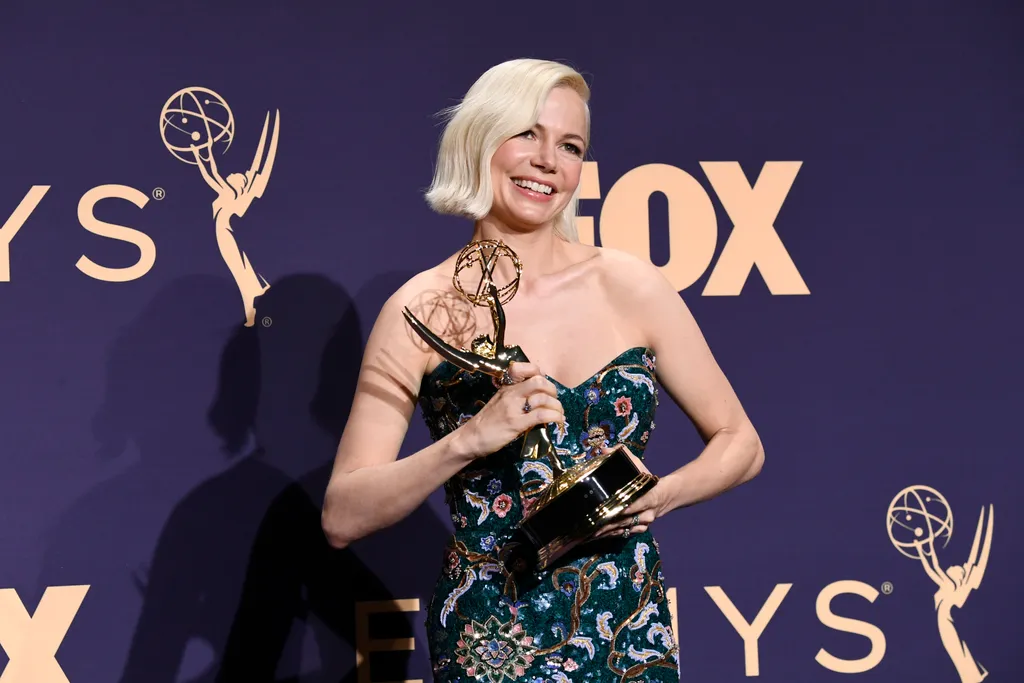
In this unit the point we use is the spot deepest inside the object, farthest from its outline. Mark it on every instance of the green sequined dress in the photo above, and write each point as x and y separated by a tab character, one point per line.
600	612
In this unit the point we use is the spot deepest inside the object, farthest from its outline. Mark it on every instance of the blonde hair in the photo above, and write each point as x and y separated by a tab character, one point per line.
504	102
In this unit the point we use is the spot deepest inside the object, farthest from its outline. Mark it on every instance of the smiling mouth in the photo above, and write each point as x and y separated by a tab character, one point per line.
534	187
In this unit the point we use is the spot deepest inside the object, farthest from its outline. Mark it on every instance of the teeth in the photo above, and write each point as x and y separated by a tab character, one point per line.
536	187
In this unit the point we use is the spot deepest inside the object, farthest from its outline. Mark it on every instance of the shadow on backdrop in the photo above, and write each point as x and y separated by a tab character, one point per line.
151	444
243	586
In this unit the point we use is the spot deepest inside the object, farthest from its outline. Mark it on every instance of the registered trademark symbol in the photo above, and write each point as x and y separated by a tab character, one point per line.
267	322
887	588
159	193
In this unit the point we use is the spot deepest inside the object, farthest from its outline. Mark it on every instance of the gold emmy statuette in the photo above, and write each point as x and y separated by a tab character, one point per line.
579	500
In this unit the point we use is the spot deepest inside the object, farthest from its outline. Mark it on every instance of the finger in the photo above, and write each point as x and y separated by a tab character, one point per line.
634	508
639	507
634	521
544	416
615	531
539	383
538	400
640	518
522	371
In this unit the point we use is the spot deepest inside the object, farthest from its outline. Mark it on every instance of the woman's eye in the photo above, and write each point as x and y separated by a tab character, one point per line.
573	149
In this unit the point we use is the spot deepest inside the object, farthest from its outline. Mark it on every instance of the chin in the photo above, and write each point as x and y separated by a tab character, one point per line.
530	225
533	219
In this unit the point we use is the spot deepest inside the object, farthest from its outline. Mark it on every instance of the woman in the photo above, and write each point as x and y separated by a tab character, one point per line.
592	322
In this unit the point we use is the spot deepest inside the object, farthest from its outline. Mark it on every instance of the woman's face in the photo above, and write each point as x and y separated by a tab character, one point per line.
535	173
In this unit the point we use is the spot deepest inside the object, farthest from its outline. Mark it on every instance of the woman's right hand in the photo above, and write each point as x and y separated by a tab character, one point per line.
532	400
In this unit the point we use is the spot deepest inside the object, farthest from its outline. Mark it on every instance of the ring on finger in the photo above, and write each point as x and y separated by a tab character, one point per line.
526	406
636	520
625	533
506	378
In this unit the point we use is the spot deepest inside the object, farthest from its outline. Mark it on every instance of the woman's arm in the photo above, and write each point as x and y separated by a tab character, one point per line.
371	489
687	370
733	453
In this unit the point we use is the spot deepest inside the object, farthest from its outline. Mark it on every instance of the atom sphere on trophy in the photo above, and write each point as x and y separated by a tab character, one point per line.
918	517
196	119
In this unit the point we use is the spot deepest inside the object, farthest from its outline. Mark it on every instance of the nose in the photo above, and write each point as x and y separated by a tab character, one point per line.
544	158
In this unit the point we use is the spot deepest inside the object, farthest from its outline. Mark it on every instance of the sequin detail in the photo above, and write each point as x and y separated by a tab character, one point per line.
599	614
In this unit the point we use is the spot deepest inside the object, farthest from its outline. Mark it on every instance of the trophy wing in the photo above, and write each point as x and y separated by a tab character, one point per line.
976	565
463	359
257	176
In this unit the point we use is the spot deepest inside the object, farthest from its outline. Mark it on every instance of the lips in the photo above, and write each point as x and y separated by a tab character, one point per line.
533	188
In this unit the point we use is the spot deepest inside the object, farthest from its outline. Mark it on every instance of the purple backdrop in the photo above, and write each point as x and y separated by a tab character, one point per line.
172	460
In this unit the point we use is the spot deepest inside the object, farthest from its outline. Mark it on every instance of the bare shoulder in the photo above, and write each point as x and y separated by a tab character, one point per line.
641	294
415	288
631	275
419	294
430	297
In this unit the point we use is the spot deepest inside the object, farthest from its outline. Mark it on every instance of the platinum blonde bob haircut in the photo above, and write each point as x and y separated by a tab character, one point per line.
504	102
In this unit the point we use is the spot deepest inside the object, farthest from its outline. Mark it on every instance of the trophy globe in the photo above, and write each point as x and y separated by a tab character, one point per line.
918	517
196	119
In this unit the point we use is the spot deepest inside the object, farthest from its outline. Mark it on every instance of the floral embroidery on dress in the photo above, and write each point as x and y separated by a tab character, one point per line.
623	406
601	616
495	650
502	504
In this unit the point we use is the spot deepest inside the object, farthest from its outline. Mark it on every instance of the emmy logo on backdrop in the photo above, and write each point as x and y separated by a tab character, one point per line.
918	517
192	123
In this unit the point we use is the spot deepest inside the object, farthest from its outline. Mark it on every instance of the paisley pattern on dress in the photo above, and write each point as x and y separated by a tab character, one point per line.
599	613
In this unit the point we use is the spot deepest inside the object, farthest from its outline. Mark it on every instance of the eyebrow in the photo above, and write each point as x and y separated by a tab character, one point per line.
566	136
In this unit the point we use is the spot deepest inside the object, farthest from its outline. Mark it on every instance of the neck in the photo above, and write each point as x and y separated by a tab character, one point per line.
540	250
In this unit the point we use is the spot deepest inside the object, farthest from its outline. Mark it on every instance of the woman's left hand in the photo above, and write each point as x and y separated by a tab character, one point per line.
640	514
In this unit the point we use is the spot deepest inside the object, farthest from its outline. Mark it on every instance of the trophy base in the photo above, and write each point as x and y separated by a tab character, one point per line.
581	501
